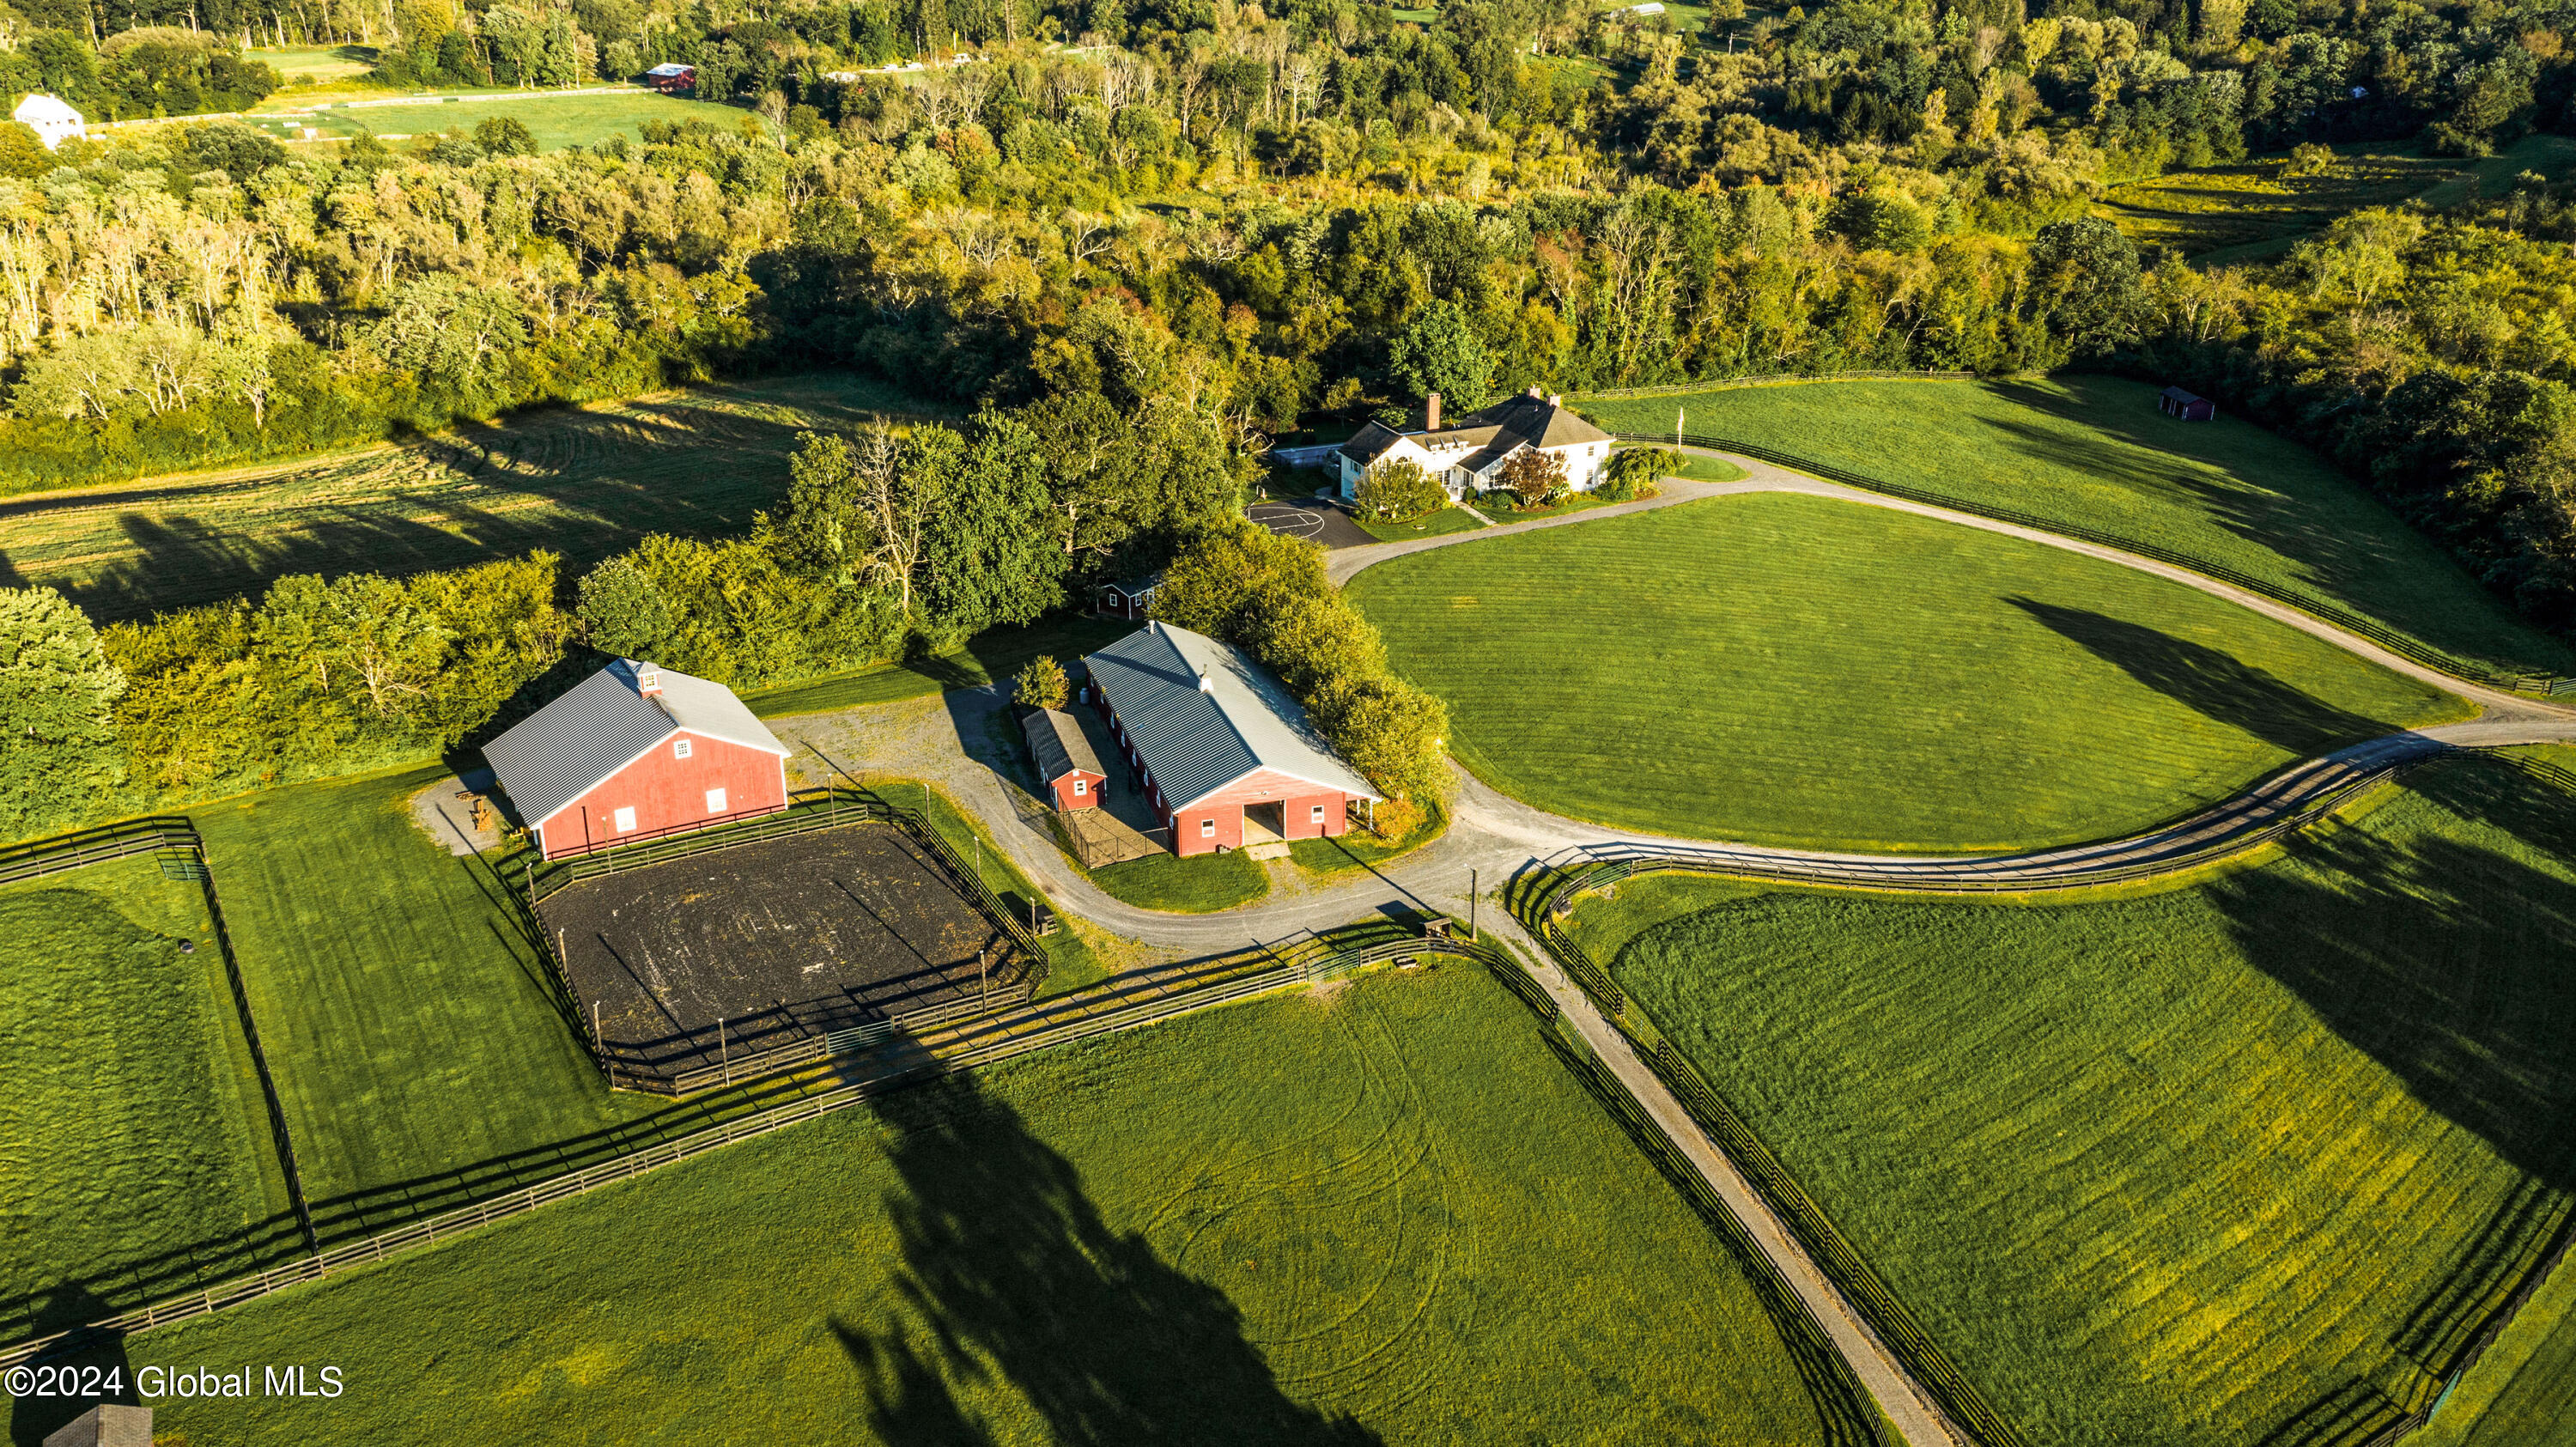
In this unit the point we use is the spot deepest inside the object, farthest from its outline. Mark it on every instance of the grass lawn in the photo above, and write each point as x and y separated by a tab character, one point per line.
137	1149
1795	670
1378	1213
1200	884
2093	451
2188	1168
2517	1396
316	64
555	121
995	655
586	482
1360	849
1710	469
1447	520
402	1011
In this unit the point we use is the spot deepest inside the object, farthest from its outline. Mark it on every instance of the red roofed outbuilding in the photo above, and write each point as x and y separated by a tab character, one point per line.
637	752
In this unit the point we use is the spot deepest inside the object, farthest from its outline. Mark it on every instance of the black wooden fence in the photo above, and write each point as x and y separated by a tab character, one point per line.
1015	978
2413	649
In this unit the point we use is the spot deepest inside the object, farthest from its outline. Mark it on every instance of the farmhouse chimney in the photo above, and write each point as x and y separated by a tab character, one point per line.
1555	399
1431	413
1533	391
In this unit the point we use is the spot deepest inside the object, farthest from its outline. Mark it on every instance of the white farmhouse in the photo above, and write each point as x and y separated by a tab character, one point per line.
51	120
1471	450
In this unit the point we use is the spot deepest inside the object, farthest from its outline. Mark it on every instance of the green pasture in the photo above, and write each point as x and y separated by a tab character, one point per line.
138	1156
404	1014
2216	1165
2095	452
586	482
1439	524
1785	669
2251	211
1382	1212
1200	884
556	121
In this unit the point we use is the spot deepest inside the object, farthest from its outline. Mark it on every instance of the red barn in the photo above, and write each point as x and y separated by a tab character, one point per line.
1228	757
637	752
672	78
1066	764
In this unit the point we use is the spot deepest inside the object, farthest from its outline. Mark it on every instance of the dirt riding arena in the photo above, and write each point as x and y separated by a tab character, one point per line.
779	940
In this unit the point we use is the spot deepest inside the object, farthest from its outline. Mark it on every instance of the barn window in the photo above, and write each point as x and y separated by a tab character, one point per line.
715	801
1316	813
1207	828
625	820
680	749
1081	786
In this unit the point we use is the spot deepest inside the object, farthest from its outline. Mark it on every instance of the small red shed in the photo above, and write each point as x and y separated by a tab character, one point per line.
1127	600
2190	407
672	78
1066	764
637	752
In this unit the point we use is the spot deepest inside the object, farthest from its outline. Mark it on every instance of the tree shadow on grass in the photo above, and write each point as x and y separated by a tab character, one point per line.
1009	1269
2213	682
2448	964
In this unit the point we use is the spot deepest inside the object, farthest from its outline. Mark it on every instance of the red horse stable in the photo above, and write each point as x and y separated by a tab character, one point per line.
1229	758
637	752
1065	762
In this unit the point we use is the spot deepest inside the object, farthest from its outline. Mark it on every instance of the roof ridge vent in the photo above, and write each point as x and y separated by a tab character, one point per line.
1207	685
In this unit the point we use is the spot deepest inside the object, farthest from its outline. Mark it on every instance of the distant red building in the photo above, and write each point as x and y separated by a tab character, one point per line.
2175	402
636	752
1223	748
671	79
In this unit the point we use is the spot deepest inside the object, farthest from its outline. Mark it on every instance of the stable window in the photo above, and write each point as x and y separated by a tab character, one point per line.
1316	813
625	820
680	749
1207	828
715	801
1081	787
648	682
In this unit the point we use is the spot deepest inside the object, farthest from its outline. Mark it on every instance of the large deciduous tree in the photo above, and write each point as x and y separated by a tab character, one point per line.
57	742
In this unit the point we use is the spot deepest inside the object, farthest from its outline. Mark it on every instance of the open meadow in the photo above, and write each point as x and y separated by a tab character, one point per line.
555	121
586	482
2251	211
2224	1164
2095	452
1782	669
1376	1212
138	1159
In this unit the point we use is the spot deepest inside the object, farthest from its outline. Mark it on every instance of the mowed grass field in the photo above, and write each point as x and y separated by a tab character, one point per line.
135	1155
555	121
2095	452
1381	1212
2225	215
586	482
1783	669
2214	1166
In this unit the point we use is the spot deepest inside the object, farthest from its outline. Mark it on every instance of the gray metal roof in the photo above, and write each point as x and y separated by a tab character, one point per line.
1056	742
1499	429
564	750
1194	741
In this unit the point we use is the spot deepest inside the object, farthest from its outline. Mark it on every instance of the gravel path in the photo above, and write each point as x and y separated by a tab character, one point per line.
962	742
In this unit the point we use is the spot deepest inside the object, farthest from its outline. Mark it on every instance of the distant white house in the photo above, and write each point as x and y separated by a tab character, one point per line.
51	120
1470	451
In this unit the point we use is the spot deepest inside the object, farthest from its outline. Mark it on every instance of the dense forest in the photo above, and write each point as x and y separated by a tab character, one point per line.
1136	241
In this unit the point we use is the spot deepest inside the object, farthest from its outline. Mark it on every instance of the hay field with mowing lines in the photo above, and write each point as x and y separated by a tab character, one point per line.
135	1156
2230	215
1379	1212
2093	451
2188	1168
1783	669
555	121
586	482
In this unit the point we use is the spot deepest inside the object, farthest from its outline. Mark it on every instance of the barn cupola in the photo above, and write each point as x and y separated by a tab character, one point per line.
648	680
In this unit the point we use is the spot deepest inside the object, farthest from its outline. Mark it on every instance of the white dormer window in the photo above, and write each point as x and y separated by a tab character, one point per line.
680	749
1081	787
